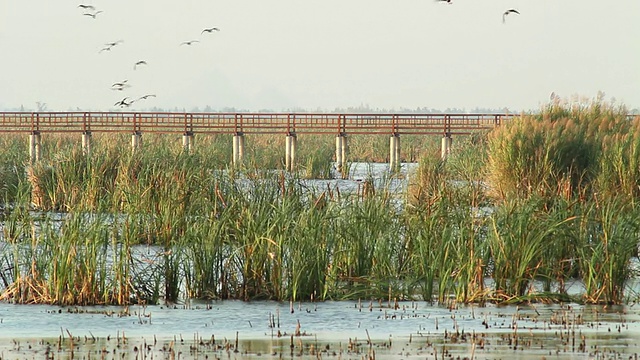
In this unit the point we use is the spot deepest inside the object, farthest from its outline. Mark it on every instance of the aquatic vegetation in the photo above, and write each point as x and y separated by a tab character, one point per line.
509	216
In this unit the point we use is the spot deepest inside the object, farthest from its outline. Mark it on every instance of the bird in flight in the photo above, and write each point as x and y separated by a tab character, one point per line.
109	46
124	102
112	44
119	86
145	97
447	1
87	7
510	11
94	14
209	30
190	42
141	62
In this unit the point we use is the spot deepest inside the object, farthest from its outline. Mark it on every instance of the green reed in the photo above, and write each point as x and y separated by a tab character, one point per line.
520	231
608	234
186	225
447	231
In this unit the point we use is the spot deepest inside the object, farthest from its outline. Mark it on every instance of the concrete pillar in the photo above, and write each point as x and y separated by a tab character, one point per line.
290	152
341	152
86	143
187	142
446	146
238	149
394	152
136	141
35	147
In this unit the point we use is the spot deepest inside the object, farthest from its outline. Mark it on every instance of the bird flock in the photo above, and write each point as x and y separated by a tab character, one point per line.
92	12
504	14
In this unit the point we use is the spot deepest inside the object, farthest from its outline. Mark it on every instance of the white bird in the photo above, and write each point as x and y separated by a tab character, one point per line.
510	11
119	86
124	102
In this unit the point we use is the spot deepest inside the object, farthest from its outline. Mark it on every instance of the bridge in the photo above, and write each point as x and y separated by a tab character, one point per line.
238	124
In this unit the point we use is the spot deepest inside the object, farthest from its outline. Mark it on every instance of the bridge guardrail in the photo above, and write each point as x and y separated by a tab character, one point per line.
246	123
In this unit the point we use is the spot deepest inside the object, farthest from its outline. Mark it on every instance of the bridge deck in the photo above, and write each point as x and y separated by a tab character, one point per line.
246	123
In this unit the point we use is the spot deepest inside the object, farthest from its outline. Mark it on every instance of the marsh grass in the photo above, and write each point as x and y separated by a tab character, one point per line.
548	199
447	237
609	233
563	144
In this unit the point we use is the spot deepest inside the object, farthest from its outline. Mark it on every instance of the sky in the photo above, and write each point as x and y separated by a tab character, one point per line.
284	55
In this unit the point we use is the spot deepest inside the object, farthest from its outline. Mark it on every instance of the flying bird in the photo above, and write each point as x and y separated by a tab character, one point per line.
109	46
190	42
119	86
209	30
504	15
124	102
112	44
141	62
447	1
145	97
86	7
94	14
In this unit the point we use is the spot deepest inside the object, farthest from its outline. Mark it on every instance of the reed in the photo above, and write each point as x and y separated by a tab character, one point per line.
562	144
448	247
164	224
608	232
520	232
367	249
70	263
310	250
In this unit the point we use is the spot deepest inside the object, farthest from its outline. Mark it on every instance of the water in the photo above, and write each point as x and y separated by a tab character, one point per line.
395	331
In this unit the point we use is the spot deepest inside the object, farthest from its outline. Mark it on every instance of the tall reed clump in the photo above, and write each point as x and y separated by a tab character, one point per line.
620	166
449	256
70	261
608	235
570	169
12	158
557	152
519	233
369	249
311	248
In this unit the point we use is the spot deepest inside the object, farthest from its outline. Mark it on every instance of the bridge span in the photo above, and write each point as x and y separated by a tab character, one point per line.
238	124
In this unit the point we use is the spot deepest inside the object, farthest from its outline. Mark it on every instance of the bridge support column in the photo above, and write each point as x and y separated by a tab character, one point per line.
136	141
187	142
86	143
290	152
35	147
238	149
446	146
341	152
394	152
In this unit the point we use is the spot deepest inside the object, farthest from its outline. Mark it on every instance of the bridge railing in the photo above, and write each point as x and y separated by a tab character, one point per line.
251	123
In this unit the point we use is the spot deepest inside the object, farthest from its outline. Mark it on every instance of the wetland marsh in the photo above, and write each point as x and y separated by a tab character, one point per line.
524	243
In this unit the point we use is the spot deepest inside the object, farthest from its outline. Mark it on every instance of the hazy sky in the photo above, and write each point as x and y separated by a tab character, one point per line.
318	55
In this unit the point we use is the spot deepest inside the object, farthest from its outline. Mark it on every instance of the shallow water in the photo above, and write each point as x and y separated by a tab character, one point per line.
410	330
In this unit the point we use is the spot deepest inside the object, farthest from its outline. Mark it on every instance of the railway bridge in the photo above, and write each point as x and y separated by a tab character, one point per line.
35	124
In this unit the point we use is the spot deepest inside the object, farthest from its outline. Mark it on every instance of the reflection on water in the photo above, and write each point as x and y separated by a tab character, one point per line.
328	328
